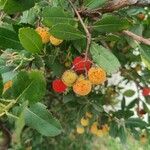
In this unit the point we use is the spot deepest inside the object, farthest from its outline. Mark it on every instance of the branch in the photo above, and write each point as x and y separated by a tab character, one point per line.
88	35
7	137
115	5
137	37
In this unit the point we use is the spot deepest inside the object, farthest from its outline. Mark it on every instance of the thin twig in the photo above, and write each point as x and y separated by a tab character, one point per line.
137	37
88	35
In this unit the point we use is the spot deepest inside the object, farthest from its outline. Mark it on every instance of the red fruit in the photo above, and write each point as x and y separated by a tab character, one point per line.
80	65
140	112
146	91
58	86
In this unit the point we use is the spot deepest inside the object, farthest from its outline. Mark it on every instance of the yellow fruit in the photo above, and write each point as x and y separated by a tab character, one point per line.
84	122
43	32
94	128
99	132
88	114
143	139
69	77
105	129
97	75
82	87
7	85
80	130
54	41
81	77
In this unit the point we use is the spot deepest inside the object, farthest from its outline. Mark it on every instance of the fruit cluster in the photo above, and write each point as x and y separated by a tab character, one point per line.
84	122
99	130
81	77
47	37
95	129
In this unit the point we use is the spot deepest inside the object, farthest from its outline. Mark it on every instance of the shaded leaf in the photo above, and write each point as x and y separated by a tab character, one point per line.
136	122
13	6
38	117
66	32
9	39
29	86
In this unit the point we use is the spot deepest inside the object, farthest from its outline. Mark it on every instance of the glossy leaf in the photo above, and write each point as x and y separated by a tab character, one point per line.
145	55
110	23
91	4
30	40
129	93
104	58
54	15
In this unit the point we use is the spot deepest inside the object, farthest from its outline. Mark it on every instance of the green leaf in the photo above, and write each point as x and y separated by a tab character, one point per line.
91	4
29	16
104	58
132	104
68	98
29	86
129	93
38	117
111	23
66	32
145	55
122	134
30	40
54	15
113	129
136	122
9	39
123	103
13	6
19	125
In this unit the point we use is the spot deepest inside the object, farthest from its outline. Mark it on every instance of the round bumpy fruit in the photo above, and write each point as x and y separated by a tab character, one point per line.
81	65
146	91
97	75
69	77
105	129
54	41
84	122
99	133
58	86
94	128
43	32
80	130
143	139
88	114
82	87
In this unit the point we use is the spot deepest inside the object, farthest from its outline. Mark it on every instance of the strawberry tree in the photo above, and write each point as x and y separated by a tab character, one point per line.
73	71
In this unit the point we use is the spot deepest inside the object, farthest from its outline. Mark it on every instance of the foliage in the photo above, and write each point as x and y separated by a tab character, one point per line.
74	87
